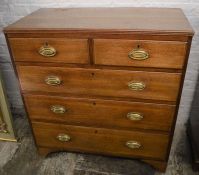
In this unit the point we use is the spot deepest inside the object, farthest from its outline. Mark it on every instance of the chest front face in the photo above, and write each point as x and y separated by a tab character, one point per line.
104	81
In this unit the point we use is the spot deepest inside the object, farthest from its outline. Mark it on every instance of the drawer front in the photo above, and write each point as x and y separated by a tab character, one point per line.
55	50
154	54
104	141
100	113
96	82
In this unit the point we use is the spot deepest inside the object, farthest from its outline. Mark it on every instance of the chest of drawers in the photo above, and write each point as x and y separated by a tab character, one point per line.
102	80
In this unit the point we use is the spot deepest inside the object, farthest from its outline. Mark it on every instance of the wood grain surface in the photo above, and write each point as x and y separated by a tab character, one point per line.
162	54
100	113
153	20
98	140
96	82
67	50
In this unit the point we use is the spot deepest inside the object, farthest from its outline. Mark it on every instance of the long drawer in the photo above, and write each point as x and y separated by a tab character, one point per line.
97	82
100	113
105	141
52	50
138	53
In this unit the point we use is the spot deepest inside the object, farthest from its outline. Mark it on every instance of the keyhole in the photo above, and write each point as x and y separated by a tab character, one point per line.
92	74
138	46
94	103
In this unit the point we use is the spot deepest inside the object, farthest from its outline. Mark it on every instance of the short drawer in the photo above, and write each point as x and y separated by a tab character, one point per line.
55	50
97	82
154	54
103	141
100	113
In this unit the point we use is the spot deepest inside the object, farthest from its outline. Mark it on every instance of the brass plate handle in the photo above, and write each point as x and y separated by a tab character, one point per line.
58	109
138	54
135	116
137	86
47	50
53	80
63	137
133	144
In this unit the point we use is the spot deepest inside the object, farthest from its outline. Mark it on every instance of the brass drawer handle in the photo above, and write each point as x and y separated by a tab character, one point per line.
138	54
133	144
63	137
137	86
135	116
47	50
53	80
58	109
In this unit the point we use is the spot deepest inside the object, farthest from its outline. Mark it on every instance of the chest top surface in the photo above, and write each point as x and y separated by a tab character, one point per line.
156	20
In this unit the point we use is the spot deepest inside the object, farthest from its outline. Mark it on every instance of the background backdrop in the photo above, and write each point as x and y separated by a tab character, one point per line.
12	10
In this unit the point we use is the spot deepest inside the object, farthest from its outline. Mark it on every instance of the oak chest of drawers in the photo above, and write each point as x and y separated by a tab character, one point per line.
102	80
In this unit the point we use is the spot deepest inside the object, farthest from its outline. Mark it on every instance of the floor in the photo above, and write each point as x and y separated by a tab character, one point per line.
22	159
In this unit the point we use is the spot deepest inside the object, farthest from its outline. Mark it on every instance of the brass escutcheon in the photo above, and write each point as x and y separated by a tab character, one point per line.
58	109
133	144
63	137
135	116
53	80
47	51
137	86
138	54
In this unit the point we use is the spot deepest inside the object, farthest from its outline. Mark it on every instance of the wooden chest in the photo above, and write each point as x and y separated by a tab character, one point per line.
102	80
